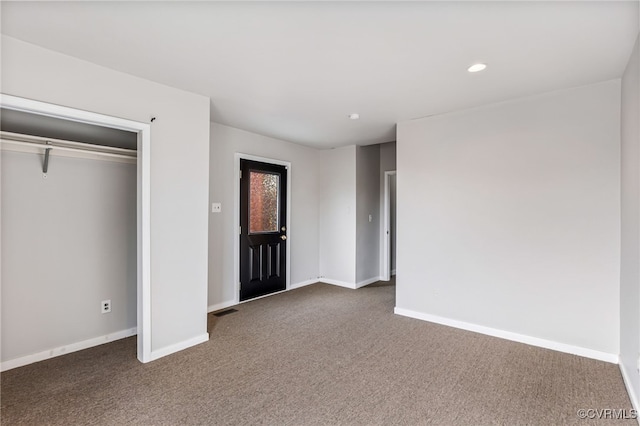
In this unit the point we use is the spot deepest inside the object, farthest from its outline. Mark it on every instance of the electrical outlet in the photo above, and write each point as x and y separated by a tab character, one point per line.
105	306
216	207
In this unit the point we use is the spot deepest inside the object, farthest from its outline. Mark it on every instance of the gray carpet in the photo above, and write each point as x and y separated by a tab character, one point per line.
317	355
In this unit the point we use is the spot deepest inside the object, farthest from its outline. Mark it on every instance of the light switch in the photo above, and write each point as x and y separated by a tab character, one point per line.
216	207
370	218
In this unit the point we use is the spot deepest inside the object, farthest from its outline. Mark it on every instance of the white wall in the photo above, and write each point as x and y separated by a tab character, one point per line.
367	204
179	173
387	157
303	234
69	242
630	249
338	216
510	218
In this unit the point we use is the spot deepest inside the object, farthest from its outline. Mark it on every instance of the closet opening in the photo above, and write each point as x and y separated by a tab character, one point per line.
388	237
74	229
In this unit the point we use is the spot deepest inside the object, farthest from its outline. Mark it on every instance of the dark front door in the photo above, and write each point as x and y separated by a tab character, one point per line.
263	232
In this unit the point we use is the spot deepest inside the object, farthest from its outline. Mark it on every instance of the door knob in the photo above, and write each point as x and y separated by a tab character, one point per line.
283	237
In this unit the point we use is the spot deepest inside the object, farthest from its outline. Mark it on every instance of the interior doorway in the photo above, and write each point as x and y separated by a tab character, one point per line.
143	135
388	237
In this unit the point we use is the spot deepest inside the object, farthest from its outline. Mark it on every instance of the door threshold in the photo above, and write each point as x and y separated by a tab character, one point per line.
266	295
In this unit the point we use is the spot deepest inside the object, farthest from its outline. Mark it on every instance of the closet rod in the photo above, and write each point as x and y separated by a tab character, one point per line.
56	144
64	148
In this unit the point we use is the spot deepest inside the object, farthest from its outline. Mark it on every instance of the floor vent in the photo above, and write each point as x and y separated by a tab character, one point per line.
225	312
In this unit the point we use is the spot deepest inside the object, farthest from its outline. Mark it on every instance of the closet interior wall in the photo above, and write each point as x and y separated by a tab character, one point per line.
68	244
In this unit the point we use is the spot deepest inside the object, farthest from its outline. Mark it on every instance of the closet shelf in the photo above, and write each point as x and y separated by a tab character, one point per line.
48	145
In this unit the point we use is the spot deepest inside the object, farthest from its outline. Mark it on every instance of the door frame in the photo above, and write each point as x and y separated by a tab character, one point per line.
385	237
236	221
143	192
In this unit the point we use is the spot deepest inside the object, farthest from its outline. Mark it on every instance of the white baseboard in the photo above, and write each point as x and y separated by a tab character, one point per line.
627	383
338	283
368	281
508	335
159	353
66	349
223	305
303	283
352	286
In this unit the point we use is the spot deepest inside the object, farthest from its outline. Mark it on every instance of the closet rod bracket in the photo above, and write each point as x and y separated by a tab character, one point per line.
45	165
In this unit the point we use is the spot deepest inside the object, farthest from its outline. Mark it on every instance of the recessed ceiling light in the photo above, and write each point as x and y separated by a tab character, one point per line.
354	116
476	67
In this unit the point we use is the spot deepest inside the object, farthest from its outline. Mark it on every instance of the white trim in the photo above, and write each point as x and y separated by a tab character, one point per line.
352	286
144	245
236	218
338	283
303	283
177	347
222	305
632	394
143	195
66	349
368	281
508	335
385	229
57	111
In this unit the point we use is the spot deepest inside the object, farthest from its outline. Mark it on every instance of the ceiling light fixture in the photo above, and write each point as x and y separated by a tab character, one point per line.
354	116
476	67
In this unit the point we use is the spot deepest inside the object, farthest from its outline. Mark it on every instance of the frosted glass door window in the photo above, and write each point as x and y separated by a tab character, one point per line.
264	189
